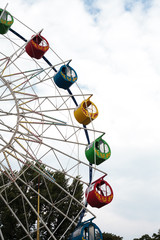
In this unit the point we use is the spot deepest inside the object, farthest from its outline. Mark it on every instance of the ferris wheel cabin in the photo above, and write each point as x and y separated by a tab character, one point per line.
65	77
99	193
86	112
87	231
37	46
6	20
98	151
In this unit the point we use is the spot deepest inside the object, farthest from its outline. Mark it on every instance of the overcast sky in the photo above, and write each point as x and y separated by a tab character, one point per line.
115	49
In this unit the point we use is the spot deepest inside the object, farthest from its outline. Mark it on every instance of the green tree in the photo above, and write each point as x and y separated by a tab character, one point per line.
144	237
110	236
12	197
156	236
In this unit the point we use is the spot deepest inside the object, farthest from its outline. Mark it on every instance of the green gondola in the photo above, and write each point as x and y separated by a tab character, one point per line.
6	20
98	151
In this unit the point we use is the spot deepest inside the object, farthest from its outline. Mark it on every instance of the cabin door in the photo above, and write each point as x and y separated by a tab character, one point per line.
91	232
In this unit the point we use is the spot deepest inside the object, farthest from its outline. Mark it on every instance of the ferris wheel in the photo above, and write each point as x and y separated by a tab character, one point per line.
48	143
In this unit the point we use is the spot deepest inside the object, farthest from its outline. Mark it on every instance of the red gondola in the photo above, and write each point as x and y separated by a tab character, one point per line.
37	46
99	193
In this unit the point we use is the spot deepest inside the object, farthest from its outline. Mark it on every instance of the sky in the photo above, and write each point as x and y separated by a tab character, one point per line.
114	47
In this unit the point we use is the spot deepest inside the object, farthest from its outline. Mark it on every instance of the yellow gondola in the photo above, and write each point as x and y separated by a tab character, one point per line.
86	112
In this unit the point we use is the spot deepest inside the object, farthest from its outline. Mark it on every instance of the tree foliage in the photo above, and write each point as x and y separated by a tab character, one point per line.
155	236
144	237
12	198
110	236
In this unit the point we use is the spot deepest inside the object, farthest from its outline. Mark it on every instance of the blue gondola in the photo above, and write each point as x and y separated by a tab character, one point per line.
65	77
87	231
